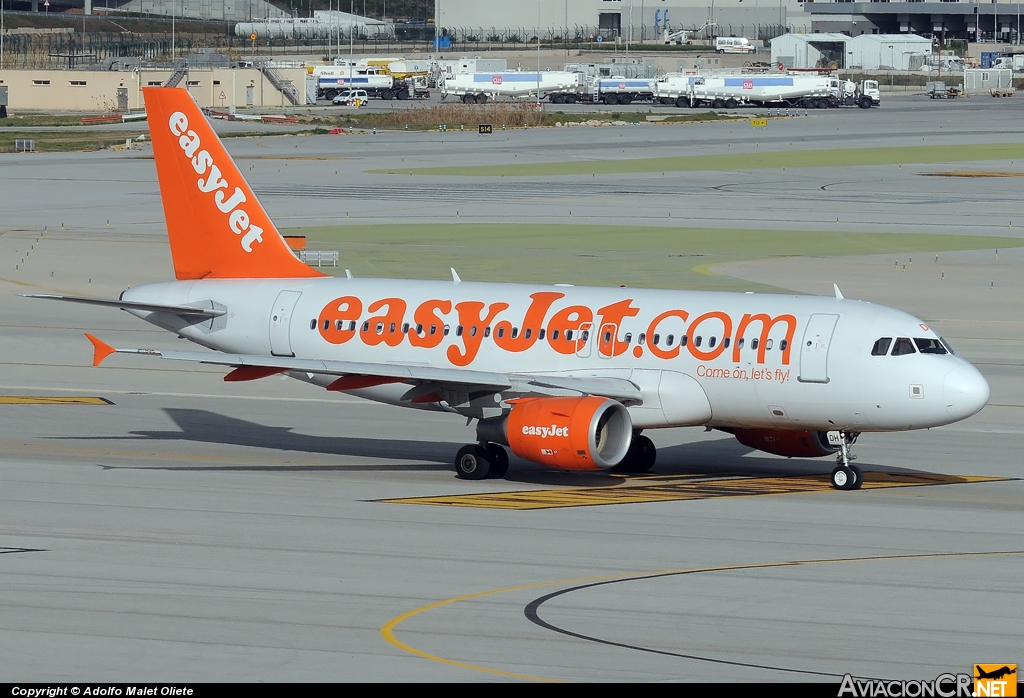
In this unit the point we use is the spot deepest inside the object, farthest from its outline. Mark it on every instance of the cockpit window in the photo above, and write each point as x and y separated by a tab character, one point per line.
903	346
881	347
928	345
946	344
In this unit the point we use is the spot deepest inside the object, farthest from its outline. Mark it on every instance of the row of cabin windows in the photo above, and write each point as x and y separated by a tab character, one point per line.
904	345
583	335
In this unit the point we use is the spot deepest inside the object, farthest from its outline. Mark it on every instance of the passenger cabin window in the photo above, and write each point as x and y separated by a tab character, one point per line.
628	338
711	342
903	346
656	339
527	333
584	335
312	324
683	340
725	343
753	343
881	347
927	345
739	342
554	335
501	332
458	331
697	340
768	344
670	340
540	333
568	335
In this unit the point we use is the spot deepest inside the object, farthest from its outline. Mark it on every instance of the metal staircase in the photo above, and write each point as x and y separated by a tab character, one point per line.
280	83
178	75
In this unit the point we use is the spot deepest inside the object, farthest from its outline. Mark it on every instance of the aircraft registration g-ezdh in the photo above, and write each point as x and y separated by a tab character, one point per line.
564	376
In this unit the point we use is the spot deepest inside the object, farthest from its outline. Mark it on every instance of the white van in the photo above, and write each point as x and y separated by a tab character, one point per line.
733	44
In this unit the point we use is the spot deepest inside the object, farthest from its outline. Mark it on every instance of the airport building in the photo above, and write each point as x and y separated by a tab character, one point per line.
121	90
866	51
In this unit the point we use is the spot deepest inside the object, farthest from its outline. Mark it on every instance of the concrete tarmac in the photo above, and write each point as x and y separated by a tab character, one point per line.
196	530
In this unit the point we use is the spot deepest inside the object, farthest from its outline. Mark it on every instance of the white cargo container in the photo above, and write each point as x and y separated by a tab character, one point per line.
479	87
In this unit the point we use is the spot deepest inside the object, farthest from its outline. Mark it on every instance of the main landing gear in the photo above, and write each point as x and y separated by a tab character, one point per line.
639	458
847	476
480	461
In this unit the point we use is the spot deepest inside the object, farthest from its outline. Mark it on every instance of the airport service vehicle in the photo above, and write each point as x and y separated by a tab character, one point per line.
864	94
675	88
732	91
733	44
355	98
480	87
383	86
568	377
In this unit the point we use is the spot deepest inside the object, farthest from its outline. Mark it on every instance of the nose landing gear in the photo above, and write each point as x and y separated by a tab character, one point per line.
847	476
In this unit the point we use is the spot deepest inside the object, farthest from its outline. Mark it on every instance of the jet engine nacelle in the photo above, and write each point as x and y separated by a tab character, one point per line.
785	442
571	433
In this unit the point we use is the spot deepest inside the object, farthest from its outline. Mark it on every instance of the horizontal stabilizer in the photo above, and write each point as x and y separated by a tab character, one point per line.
182	310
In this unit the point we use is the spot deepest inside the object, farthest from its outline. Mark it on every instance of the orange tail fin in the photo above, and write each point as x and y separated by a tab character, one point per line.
216	226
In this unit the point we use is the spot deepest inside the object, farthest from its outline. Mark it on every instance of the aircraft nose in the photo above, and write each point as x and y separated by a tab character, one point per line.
966	391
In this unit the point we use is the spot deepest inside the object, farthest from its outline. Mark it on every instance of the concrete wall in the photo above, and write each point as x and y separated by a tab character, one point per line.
517	14
56	90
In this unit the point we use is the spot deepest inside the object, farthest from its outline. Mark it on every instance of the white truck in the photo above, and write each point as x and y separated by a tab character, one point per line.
732	91
675	88
480	87
332	80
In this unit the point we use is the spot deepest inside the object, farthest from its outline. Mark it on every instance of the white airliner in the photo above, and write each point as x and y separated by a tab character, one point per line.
566	377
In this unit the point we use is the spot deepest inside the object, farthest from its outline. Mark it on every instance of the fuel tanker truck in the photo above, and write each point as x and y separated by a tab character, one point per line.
731	91
480	87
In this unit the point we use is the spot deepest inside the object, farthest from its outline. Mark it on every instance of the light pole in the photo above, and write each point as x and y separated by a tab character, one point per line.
173	54
538	53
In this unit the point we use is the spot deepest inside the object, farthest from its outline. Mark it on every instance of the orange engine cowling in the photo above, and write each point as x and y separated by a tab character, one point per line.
784	442
571	433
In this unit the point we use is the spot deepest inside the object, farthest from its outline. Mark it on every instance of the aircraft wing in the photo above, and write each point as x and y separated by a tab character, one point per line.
479	381
182	310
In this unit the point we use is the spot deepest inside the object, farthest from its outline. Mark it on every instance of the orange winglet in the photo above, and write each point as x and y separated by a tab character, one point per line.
101	349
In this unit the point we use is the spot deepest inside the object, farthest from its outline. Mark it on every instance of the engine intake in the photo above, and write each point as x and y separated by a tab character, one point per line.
571	433
785	442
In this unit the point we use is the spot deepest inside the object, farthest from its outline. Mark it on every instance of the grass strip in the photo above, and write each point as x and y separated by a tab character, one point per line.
844	157
602	255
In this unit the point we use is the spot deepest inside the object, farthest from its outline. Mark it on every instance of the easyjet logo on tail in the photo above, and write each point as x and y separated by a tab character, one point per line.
215	184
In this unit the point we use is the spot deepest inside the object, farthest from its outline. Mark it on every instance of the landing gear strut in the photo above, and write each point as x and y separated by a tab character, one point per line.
480	461
847	476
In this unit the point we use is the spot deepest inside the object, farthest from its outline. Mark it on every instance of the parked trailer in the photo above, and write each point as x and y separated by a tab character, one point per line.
622	90
479	87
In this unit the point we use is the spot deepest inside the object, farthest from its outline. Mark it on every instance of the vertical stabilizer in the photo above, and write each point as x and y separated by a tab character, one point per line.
216	226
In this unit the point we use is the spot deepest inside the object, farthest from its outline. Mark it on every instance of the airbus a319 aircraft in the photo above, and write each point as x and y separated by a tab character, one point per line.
563	376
